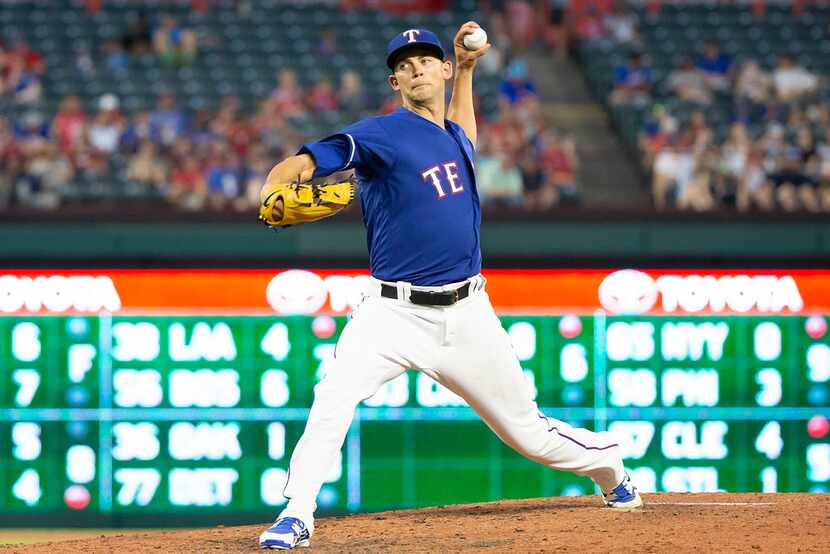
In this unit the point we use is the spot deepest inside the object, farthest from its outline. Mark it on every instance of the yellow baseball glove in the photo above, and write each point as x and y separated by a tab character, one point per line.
303	202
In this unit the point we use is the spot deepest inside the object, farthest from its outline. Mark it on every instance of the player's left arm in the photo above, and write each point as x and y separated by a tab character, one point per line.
461	104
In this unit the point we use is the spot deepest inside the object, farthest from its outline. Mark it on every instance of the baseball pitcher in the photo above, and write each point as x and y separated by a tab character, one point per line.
426	307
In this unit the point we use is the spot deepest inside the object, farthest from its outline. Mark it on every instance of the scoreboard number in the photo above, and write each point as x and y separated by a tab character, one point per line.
136	388
28	381
769	441
27	487
770	380
274	390
26	440
138	485
135	341
573	362
632	387
523	337
818	361
26	341
275	342
769	479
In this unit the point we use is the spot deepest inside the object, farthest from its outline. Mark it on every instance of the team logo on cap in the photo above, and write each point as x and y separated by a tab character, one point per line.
411	34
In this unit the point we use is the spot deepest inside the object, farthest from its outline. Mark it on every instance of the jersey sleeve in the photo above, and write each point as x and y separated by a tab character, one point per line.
365	146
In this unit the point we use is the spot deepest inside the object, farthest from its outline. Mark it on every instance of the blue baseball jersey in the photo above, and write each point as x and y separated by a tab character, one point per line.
418	193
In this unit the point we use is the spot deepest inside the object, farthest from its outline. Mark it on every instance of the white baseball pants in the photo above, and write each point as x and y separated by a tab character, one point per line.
464	348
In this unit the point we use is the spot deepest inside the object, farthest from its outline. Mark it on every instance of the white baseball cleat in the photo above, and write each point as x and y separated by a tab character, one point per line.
285	534
624	497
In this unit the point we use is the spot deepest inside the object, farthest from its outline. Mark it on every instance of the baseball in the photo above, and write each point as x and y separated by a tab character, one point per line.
476	39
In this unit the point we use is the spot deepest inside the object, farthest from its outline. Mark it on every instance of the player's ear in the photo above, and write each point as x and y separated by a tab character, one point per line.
447	69
393	82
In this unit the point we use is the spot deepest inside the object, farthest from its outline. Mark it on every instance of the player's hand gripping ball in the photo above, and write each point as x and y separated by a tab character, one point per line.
470	44
286	204
475	39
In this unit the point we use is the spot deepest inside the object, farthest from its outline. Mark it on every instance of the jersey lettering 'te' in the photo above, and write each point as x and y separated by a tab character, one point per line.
418	194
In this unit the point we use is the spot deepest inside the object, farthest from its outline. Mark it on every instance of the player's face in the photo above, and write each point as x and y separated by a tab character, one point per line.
420	76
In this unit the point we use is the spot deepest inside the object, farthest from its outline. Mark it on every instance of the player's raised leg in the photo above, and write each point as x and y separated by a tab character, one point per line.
484	370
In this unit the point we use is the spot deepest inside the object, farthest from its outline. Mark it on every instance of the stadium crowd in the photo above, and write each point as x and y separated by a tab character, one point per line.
773	152
203	159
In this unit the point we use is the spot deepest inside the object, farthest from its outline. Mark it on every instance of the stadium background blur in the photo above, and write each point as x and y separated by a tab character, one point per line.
693	137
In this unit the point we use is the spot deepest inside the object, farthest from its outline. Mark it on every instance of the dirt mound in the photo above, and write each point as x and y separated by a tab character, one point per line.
668	523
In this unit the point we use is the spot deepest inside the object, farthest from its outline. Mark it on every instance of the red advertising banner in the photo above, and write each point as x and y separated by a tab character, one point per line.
337	291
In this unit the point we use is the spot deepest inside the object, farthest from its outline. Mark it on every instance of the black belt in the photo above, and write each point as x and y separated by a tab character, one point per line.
443	298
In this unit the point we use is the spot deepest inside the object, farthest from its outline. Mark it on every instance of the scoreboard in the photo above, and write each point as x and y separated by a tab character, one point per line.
127	415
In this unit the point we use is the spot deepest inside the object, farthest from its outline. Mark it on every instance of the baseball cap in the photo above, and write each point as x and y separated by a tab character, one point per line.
410	38
108	102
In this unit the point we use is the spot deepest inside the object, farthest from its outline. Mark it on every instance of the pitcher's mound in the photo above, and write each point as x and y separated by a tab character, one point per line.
668	523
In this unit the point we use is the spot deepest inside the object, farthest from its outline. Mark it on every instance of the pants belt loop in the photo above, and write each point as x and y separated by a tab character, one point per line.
403	290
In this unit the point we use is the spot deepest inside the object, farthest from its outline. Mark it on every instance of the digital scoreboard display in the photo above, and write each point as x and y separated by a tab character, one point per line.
161	414
134	394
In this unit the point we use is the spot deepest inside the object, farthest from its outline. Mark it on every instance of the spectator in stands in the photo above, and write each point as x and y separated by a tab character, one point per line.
28	89
259	165
69	125
794	189
715	66
188	184
9	161
689	83
137	39
200	133
167	122
272	131
289	97
823	153
351	96
498	179
673	169
733	157
117	59
560	162
174	44
539	194
107	127
25	66
659	128
8	70
327	45
517	87
322	97
752	92
754	189
697	194
521	23
45	173
225	178
555	33
137	130
30	131
589	25
83	60
621	25
147	167
793	82
32	59
632	82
